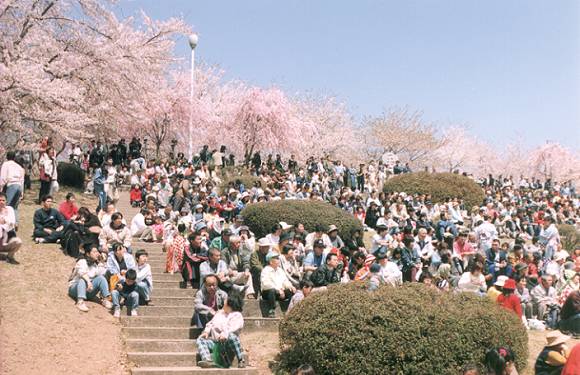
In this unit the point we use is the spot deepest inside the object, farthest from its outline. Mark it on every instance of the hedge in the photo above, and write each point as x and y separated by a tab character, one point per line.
71	175
570	237
411	329
439	185
235	178
260	217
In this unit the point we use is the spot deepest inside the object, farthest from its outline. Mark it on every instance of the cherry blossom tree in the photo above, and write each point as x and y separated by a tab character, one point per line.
552	160
403	133
71	69
463	152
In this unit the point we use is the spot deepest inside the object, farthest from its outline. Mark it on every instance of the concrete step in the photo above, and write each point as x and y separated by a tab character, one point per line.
158	267
166	276
160	345
250	325
166	284
165	359
193	371
171	292
251	308
174	301
161	332
157	321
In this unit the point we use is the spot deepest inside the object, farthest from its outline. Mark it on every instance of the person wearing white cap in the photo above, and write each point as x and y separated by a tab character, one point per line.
275	285
258	261
554	356
495	290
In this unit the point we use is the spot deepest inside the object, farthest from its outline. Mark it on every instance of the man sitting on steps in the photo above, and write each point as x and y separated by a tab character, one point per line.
223	331
208	300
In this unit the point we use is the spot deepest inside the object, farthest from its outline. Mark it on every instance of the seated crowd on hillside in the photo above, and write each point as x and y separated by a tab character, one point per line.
507	249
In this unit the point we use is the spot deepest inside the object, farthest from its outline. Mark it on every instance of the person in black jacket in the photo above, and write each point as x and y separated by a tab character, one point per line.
328	273
48	222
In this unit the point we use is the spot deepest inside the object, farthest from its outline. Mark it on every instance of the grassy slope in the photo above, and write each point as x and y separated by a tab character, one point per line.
41	331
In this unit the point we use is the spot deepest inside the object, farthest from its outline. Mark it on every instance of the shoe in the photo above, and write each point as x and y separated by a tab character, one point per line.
117	313
12	261
134	313
39	240
108	305
243	362
182	285
206	364
82	306
149	303
251	296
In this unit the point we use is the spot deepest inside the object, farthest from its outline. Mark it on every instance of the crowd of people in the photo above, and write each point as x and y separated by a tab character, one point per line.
507	249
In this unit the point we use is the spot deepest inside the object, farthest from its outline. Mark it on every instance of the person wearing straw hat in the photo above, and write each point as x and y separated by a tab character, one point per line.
553	357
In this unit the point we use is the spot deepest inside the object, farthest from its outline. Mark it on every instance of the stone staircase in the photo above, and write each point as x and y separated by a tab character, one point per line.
161	340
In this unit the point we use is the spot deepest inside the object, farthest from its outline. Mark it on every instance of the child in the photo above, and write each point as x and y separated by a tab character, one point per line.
157	229
136	196
127	289
144	277
306	287
375	278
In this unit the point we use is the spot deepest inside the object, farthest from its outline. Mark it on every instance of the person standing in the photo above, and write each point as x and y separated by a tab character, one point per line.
48	173
12	182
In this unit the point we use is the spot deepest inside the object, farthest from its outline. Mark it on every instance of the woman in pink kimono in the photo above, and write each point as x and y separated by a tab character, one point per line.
175	251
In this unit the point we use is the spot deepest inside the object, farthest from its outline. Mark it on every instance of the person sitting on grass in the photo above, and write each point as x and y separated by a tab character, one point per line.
87	280
9	242
68	208
275	285
144	277
48	223
126	289
500	361
208	300
554	356
224	328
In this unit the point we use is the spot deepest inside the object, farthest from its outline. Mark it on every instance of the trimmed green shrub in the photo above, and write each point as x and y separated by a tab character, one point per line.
236	178
260	217
396	330
439	185
71	175
570	237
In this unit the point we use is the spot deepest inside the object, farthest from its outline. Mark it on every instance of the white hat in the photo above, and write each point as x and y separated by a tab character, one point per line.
285	225
501	280
264	242
332	228
561	255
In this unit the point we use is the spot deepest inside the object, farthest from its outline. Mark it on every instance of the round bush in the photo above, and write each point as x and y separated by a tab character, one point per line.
71	175
236	178
570	237
260	217
439	185
396	330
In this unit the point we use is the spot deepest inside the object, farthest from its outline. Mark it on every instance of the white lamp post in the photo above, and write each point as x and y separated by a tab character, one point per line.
192	43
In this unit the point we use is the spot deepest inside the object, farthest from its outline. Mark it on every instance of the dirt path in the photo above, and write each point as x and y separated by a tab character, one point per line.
41	331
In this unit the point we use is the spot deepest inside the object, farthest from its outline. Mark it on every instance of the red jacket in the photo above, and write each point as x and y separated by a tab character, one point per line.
511	302
135	195
68	209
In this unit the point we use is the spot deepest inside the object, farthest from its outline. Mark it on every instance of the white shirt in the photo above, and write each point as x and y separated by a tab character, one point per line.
391	274
274	279
138	224
11	173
